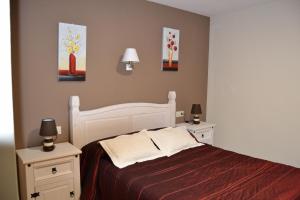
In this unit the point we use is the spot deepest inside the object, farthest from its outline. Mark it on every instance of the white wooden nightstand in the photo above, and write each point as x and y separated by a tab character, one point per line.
53	175
204	132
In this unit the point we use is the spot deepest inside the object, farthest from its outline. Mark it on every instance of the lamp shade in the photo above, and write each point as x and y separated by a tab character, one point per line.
196	109
48	127
130	55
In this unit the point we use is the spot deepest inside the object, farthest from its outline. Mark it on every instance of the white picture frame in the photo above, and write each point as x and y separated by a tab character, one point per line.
170	49
71	52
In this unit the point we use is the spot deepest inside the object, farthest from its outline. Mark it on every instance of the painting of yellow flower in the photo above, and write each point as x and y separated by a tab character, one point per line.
72	52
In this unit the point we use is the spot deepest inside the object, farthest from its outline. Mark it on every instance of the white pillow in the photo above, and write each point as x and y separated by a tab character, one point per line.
126	150
172	140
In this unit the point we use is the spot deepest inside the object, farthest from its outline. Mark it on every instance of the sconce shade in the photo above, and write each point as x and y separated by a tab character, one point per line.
196	109
130	55
48	127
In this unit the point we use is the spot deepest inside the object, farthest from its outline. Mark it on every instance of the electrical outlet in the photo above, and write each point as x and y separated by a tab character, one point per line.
58	130
179	113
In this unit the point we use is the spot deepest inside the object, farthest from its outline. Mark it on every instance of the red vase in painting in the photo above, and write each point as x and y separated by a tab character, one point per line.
72	64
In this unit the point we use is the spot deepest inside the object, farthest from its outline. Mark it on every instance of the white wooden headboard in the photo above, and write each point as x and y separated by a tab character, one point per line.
90	125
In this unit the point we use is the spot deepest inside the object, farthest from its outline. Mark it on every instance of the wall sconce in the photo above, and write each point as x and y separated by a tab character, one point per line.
130	57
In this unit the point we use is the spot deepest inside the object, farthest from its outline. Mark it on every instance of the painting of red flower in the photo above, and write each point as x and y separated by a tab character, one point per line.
170	49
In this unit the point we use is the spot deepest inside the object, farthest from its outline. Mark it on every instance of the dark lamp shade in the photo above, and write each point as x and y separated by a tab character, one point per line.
48	127
196	109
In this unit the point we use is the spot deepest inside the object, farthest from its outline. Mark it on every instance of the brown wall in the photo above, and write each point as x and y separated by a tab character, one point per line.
112	26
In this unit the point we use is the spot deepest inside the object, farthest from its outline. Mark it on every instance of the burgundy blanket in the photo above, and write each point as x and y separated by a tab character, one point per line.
204	172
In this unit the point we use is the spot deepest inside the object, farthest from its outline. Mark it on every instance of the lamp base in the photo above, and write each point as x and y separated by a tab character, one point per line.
50	148
48	144
129	66
196	119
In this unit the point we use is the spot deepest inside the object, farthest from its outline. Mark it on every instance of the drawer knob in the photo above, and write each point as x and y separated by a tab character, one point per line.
34	195
54	170
202	135
72	194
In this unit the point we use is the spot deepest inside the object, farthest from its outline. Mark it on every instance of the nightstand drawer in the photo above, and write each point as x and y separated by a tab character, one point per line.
205	131
52	171
203	134
63	190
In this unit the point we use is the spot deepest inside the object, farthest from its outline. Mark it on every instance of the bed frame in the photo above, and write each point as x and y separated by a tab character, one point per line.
90	125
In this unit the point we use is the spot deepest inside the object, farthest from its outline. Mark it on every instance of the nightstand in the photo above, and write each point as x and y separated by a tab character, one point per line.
204	132
53	175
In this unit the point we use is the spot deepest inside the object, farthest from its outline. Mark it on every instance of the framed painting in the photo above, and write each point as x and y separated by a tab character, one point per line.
170	49
71	52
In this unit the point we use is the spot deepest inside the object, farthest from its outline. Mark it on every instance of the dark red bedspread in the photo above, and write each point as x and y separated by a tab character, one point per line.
204	172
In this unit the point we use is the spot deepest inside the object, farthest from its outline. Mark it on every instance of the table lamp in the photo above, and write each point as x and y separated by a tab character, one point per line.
49	132
196	111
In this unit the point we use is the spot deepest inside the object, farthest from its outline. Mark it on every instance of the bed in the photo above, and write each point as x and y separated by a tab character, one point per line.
204	172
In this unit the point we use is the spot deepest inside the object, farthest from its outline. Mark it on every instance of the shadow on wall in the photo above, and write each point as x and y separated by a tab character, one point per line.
35	134
16	71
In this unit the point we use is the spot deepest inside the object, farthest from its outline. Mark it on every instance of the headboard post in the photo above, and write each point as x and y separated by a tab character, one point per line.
172	101
74	116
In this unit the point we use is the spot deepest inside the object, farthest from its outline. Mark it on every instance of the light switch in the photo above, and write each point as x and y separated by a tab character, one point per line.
58	130
179	113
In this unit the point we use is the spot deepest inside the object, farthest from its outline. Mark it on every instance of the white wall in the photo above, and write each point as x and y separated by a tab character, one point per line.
8	172
254	81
